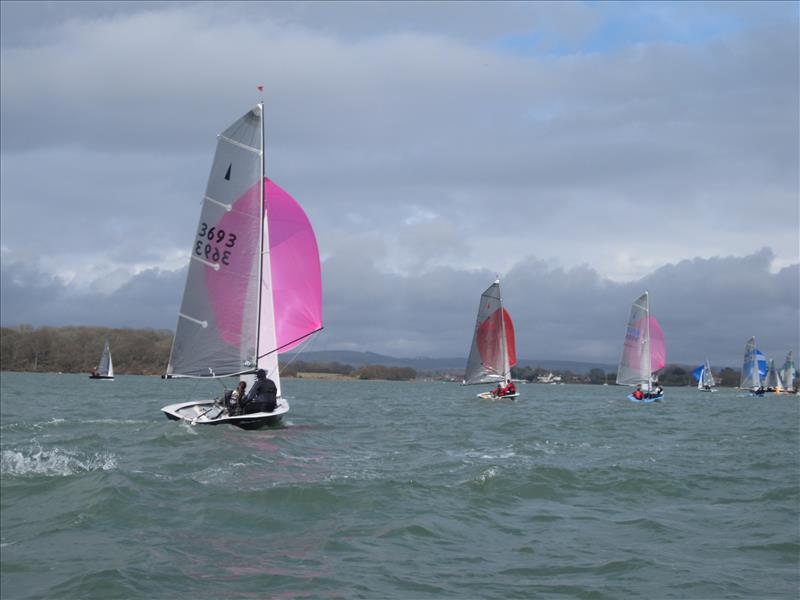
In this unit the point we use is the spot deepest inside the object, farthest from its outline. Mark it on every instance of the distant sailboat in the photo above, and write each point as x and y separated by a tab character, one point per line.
773	381
754	369
704	377
789	374
105	370
493	350
643	353
253	288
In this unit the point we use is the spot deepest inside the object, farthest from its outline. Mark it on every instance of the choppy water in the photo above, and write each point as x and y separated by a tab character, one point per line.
397	490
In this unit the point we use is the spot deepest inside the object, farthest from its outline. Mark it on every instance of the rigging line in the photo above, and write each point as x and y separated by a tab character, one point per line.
309	341
290	343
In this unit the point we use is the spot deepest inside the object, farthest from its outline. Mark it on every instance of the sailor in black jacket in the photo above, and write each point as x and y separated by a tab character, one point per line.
262	397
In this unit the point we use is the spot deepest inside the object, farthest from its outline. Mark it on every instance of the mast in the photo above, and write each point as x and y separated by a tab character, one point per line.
646	342
262	203
503	341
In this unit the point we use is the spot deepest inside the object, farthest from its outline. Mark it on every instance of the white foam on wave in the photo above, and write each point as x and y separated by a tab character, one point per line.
486	475
54	462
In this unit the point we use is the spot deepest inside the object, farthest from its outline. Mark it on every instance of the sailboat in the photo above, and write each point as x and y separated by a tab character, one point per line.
254	287
773	381
704	377
643	353
789	374
105	370
754	369
493	350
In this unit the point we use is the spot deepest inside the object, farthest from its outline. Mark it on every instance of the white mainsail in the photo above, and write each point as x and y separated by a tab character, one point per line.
751	375
106	366
254	285
788	373
644	351
706	377
773	379
217	330
493	351
226	324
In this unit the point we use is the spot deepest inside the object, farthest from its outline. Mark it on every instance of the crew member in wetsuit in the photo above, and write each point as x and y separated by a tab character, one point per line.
262	397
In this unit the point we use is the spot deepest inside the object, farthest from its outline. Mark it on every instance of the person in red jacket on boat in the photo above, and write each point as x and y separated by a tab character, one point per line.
509	390
637	393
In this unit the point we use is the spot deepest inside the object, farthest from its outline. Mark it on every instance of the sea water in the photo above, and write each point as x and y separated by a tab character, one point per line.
397	490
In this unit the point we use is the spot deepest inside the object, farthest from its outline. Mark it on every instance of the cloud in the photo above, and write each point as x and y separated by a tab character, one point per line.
29	295
707	307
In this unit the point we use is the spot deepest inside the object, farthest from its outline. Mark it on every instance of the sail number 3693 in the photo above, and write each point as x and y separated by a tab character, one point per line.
211	251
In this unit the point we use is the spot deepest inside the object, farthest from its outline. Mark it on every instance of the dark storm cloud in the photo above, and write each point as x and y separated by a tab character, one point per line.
30	295
707	307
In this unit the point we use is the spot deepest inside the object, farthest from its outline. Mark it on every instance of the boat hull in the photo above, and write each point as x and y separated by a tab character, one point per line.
106	377
489	396
210	412
645	400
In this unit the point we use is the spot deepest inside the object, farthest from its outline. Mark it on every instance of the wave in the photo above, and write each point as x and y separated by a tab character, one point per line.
54	463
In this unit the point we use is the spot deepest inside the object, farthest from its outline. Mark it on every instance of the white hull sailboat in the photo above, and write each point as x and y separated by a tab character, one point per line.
493	350
254	286
789	375
773	381
754	369
643	353
104	370
705	378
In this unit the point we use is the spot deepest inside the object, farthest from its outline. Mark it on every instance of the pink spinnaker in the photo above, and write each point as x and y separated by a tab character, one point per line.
294	265
296	274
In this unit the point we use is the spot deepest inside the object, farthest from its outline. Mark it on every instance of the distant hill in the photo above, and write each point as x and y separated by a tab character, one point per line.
427	364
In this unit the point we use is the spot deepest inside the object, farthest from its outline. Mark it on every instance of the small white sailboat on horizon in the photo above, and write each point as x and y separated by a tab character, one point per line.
643	353
705	378
105	369
773	381
493	351
254	287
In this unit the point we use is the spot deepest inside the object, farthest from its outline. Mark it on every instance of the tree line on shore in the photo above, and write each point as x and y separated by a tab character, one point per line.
146	352
134	352
671	375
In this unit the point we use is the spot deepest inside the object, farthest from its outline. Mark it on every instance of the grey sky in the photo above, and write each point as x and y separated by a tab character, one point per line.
582	151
